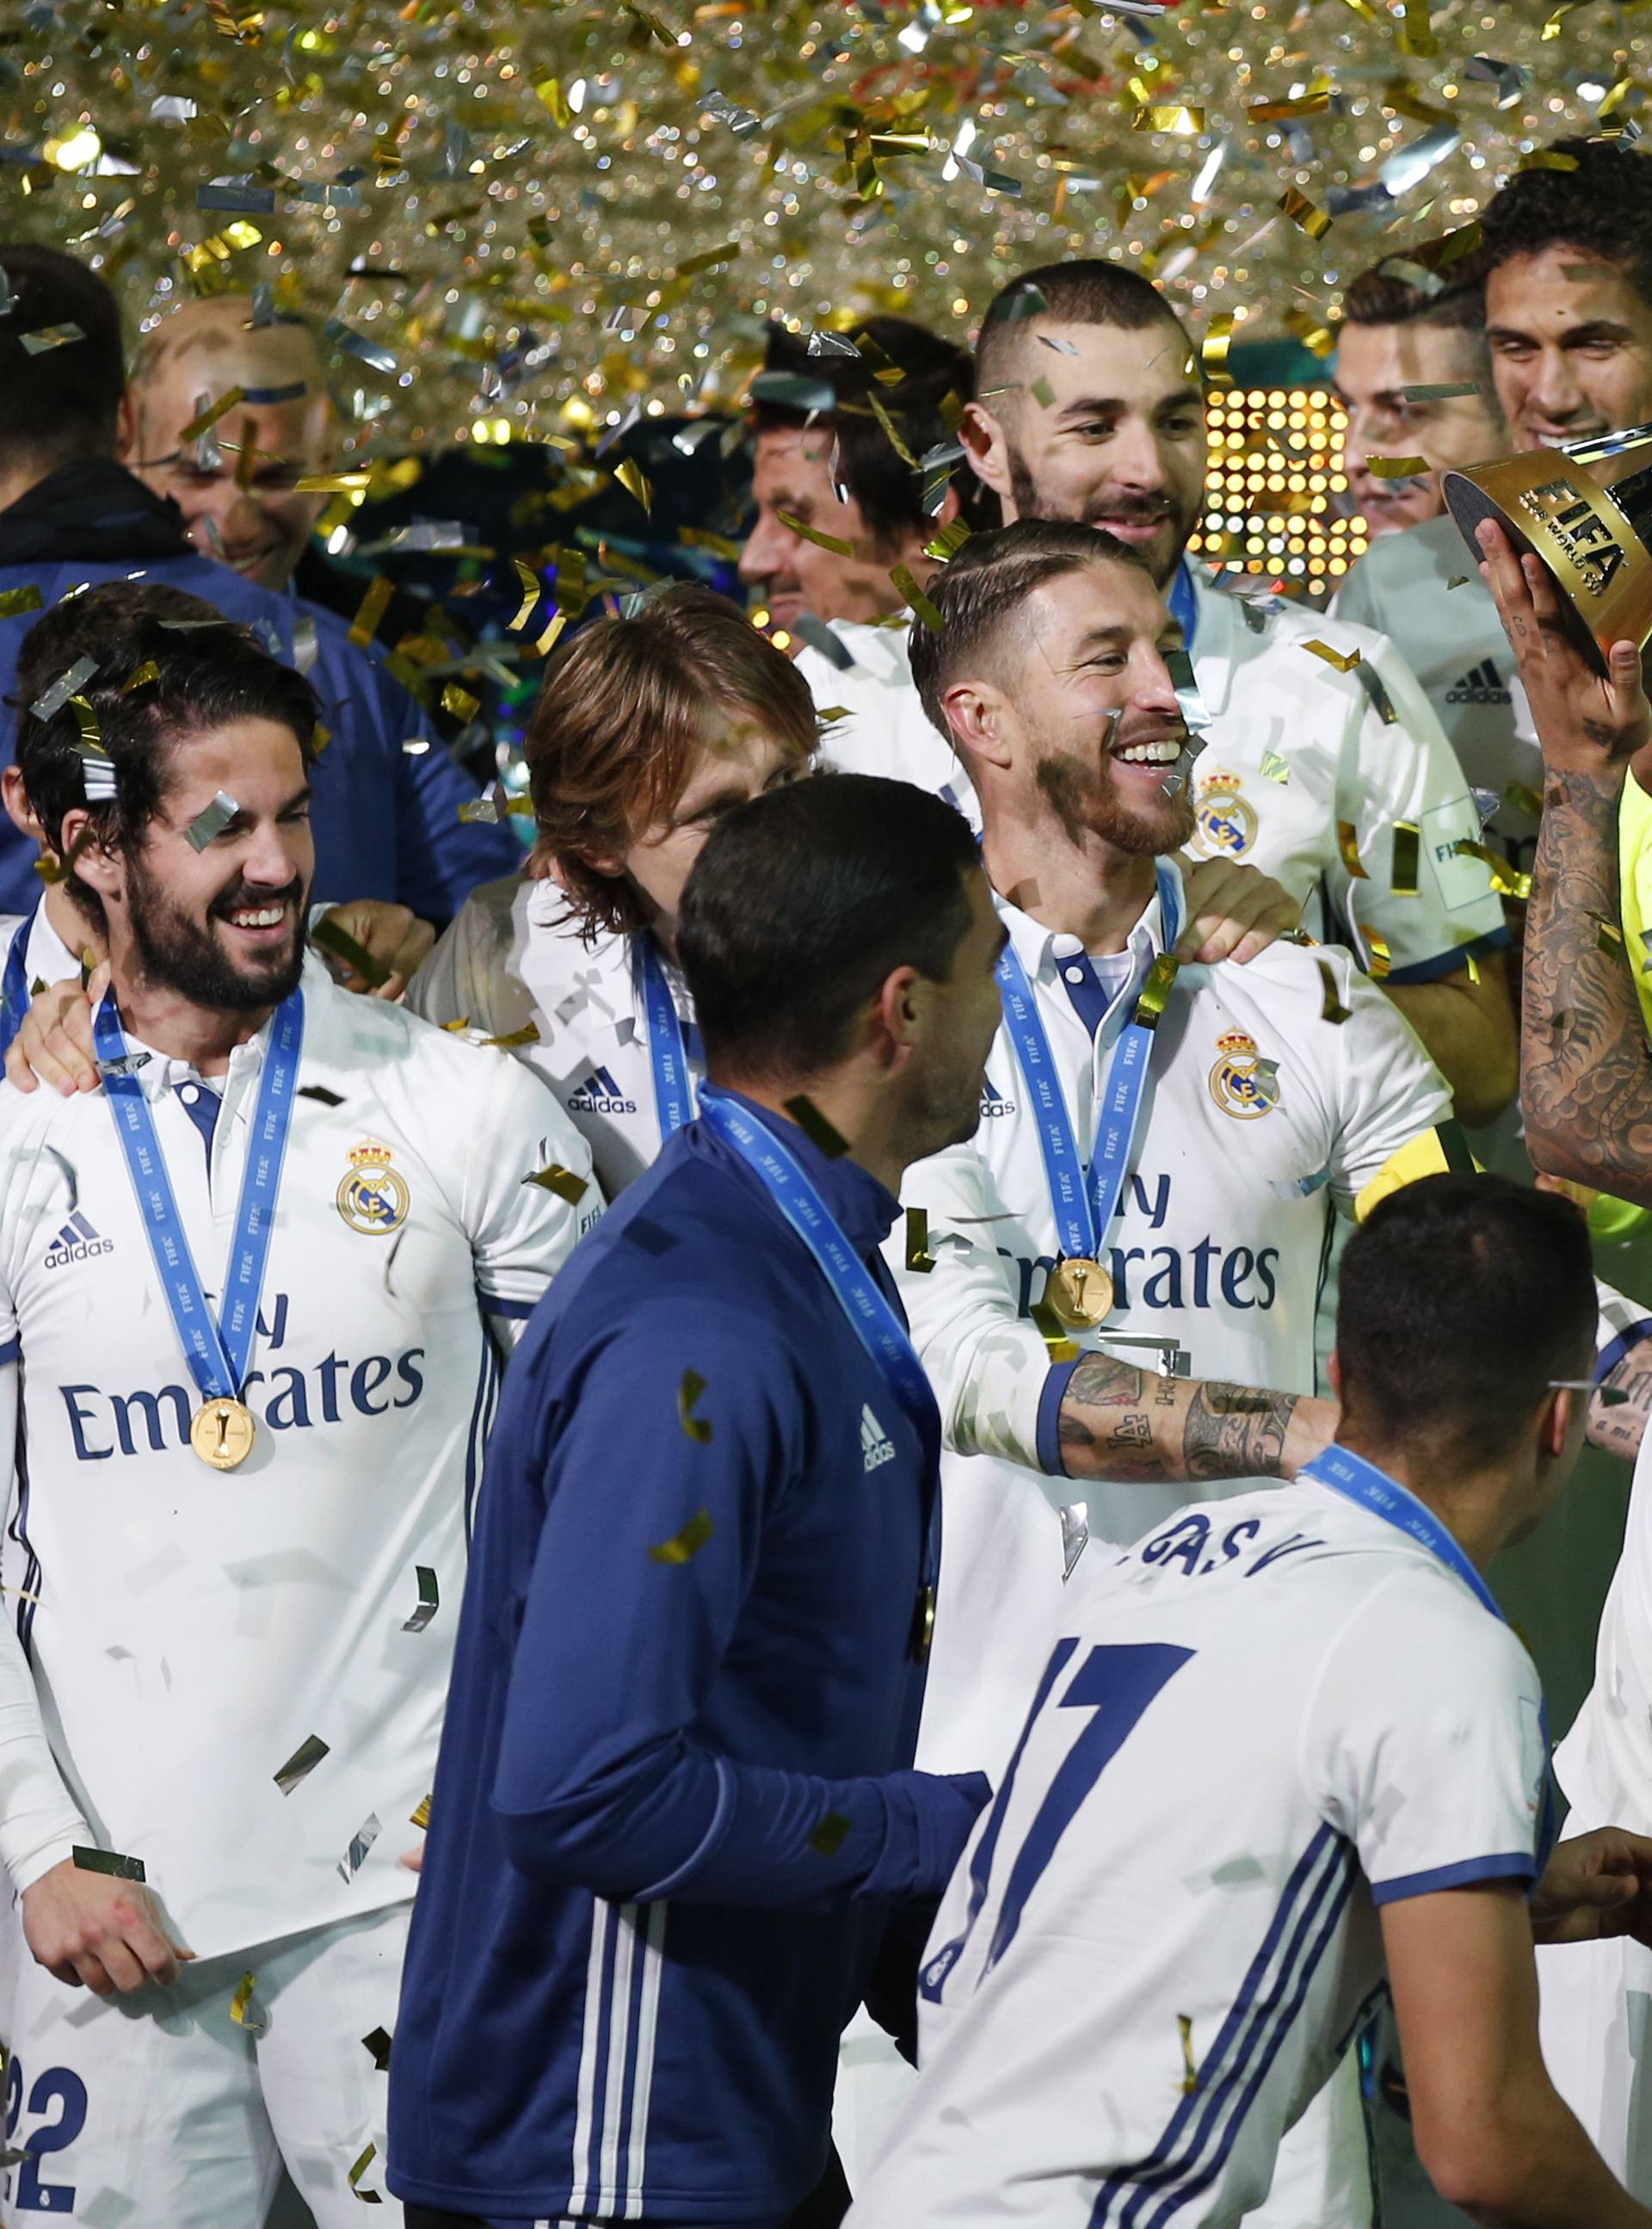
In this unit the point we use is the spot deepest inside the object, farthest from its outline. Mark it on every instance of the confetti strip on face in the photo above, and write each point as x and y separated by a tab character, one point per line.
329	936
685	1545
430	1600
108	1861
1447	391
241	2005
1396	468
303	1762
919	1257
698	1429
1406	847
211	821
1347	842
1333	1009
204	423
832	542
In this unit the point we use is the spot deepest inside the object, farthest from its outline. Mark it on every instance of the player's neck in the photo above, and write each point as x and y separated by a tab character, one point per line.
869	1121
1086	888
1474	1506
167	1022
71	927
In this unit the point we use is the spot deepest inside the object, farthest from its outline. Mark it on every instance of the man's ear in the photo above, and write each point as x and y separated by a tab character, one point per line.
126	428
986	446
979	715
1554	1416
1334	1373
897	1016
22	812
97	864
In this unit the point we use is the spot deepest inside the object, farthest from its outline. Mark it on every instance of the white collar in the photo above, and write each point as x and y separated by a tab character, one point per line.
1035	944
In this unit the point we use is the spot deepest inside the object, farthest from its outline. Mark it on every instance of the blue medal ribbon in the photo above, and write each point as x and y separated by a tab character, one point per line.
14	986
876	1325
217	1352
673	1084
1368	1488
1085	1200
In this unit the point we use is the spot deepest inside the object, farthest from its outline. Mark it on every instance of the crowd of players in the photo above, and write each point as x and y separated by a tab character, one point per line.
939	1421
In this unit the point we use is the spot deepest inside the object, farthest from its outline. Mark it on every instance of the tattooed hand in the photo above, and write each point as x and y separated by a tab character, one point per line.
1586	723
1121	1422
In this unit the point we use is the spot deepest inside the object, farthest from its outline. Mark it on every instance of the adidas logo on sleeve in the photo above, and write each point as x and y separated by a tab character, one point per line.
76	1241
876	1446
1481	685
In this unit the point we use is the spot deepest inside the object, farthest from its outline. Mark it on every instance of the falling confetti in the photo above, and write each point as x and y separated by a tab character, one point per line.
429	1600
303	1762
684	1546
688	1392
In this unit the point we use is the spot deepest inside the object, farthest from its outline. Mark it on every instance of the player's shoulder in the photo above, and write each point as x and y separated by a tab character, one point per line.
1295	981
877	658
448	1077
1417	1624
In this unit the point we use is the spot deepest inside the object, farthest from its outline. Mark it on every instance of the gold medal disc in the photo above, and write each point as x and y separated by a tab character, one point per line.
221	1434
1080	1292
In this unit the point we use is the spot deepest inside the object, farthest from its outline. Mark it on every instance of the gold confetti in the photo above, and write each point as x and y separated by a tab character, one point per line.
1347	842
550	93
1061	1347
635	481
819	1132
563	1182
1179	117
241	2003
1523	799
697	1428
559	620
528	1034
328	936
1344	661
904	580
140	676
378	2046
918	1257
460	702
1416	37
1396	468
420	1818
14	601
303	1762
832	542
209	418
1043	394
945	544
685	1545
892	433
1546	158
370	611
830	1835
108	1861
1213	350
729	249
1274	767
1381	957
1161	977
1190	2073
367	2197
530	588
1275	111
1298	207
1505	880
1333	1010
1406	847
1610	939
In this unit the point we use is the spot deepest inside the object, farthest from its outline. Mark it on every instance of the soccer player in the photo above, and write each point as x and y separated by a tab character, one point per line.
250	1298
1414	375
1589	1120
674	1804
826	457
1309	762
388	822
1282	1746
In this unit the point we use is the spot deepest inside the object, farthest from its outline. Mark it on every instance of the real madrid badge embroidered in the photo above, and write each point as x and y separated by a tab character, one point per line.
1226	821
1242	1083
372	1197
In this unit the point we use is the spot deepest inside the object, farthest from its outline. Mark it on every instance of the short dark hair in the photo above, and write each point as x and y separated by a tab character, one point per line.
208	671
888	490
1381	297
1085	290
989	579
802	902
1602	206
1463	1298
63	402
620	721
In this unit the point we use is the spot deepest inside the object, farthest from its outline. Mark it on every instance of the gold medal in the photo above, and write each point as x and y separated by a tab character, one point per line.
1080	1292
221	1433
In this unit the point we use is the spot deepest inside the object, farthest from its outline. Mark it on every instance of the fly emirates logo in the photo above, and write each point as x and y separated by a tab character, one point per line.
1205	1274
286	1397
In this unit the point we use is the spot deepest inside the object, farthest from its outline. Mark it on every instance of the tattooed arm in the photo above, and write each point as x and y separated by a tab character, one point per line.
1618	1426
1120	1423
1586	1073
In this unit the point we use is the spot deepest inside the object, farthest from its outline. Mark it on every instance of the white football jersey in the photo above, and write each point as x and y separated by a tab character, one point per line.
1260	1118
1268	1719
238	1677
1606	1758
1294	747
508	961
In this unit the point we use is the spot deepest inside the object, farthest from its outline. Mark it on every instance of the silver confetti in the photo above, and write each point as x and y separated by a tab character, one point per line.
211	821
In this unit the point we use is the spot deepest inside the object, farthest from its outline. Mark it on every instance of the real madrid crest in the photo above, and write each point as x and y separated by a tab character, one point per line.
1226	821
1242	1083
372	1198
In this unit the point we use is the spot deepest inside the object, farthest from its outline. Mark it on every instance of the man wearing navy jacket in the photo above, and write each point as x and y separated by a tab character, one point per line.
673	1808
386	794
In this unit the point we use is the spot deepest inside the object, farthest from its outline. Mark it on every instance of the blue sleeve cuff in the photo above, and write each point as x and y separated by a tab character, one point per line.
1606	1362
1049	1418
1447	963
495	1304
10	1351
1511	1865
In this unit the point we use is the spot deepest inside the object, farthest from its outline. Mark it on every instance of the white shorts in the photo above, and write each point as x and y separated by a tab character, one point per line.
158	2108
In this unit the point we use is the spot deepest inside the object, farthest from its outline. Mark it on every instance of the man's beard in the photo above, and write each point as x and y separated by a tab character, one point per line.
182	955
1085	804
1146	509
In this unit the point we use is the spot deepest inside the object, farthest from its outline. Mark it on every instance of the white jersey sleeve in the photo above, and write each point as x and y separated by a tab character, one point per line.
1424	1743
1388	1090
40	1823
461	972
1405	769
524	1221
986	1362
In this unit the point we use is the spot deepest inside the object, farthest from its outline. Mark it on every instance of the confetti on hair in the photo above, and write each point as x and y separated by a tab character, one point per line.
303	1762
919	1257
697	1428
51	700
50	336
430	1600
141	676
108	1861
683	1547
